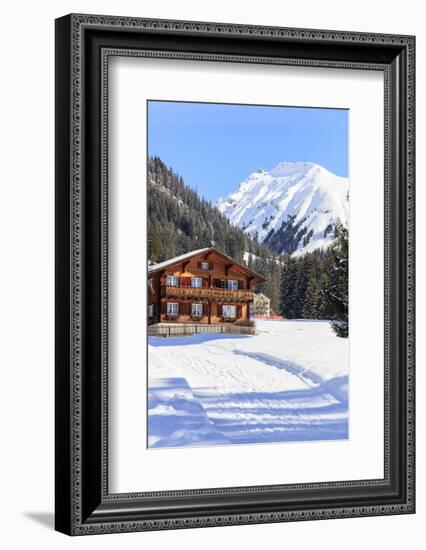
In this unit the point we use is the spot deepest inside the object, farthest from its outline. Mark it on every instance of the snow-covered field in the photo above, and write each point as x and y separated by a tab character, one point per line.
289	382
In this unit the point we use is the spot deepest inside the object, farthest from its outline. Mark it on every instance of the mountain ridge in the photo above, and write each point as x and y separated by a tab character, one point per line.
291	209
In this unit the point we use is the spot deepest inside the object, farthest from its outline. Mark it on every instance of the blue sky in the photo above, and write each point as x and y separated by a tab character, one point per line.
216	146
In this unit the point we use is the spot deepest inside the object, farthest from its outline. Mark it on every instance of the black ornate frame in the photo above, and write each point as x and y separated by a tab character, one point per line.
83	46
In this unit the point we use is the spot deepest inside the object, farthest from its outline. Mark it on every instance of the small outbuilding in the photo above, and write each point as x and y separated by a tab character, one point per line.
261	305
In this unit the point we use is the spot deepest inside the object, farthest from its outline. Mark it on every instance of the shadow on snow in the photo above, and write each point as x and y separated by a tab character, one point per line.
338	386
193	339
181	416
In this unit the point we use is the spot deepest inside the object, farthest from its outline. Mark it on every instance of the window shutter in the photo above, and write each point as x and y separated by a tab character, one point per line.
163	307
239	311
222	283
240	285
199	265
205	308
219	310
210	265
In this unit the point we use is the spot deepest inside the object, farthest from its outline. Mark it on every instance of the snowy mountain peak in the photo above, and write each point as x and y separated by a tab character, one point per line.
283	169
292	208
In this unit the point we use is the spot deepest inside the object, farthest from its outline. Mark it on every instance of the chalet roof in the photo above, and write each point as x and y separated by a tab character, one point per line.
177	259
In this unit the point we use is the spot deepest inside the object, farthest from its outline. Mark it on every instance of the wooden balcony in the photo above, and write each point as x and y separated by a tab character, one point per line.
216	294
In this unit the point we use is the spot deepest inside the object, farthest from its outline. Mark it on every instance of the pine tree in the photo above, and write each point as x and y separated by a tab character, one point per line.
338	284
155	248
288	287
271	289
301	284
310	309
325	306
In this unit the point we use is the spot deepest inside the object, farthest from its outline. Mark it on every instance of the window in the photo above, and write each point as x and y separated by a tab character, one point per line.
232	285
151	310
172	280
197	310
205	265
229	311
172	308
196	282
151	285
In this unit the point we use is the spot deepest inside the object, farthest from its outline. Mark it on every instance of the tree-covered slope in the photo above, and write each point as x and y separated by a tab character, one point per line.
179	220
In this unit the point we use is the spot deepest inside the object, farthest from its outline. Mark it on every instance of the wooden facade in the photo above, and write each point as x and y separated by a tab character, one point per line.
203	287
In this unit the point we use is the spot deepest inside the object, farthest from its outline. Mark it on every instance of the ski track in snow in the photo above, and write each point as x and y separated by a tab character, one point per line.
289	382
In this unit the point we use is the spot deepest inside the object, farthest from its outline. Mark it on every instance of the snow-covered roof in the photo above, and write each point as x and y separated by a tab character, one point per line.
176	259
162	265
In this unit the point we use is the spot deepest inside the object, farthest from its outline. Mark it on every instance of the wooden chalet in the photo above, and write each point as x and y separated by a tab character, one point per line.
202	287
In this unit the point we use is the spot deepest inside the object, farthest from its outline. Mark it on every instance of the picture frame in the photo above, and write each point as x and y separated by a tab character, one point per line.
84	44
